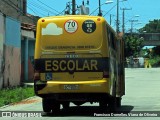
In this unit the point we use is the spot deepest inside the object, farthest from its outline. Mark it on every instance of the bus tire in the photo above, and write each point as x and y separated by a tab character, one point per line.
118	101
46	105
112	104
103	105
65	105
55	106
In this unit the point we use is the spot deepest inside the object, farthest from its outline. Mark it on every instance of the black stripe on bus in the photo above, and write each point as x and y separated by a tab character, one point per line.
74	65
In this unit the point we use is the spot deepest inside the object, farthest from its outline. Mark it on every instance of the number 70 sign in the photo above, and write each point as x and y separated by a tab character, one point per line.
71	26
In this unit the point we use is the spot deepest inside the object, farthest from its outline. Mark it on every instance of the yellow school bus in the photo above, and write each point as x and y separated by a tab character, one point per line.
78	59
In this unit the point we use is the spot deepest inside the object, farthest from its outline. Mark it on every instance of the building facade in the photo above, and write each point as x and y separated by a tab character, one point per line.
17	39
17	9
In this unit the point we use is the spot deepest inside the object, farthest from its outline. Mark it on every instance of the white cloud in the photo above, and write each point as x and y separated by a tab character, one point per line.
52	29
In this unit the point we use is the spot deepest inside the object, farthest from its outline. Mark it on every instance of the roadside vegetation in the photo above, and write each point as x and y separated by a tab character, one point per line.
134	47
16	94
155	62
152	54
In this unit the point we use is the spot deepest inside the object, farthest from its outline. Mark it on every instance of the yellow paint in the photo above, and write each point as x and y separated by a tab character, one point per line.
147	64
96	86
84	45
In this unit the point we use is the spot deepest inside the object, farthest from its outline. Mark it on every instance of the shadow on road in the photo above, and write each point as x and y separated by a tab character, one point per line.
86	111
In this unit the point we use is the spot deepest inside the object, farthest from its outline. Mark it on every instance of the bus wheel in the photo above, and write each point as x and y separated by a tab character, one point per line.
118	101
112	104
55	106
65	105
103	105
46	105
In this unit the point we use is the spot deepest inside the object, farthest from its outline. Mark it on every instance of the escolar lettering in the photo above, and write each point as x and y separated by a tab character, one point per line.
70	65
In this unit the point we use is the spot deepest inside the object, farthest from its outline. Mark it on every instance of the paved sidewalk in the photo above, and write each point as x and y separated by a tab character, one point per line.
28	84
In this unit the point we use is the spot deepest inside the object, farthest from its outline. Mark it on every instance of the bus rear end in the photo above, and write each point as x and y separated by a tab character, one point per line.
70	65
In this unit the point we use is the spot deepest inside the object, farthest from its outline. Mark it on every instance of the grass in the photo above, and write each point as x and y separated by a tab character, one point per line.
155	61
16	94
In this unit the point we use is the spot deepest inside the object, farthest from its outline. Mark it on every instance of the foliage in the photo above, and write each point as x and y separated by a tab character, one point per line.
133	45
12	95
155	61
151	27
153	55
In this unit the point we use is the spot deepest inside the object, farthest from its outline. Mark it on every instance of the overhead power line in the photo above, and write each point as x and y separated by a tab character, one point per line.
37	6
61	12
35	11
109	10
48	6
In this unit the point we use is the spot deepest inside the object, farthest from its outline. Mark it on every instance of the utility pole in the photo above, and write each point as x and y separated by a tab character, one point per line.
73	7
117	22
123	18
111	15
100	12
132	25
110	19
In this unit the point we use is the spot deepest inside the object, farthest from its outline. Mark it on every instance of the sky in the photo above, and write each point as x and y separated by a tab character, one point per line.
146	10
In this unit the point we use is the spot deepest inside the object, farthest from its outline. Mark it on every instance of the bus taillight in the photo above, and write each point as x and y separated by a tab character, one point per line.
43	20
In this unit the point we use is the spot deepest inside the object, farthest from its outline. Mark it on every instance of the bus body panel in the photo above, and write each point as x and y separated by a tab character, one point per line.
79	41
96	86
77	54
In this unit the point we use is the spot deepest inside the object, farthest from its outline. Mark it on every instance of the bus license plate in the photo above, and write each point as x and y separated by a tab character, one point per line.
71	87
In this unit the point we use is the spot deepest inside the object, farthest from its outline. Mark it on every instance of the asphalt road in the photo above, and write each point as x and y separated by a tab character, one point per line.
142	94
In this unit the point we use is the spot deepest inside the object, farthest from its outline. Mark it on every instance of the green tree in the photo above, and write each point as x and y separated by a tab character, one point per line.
133	45
154	54
151	27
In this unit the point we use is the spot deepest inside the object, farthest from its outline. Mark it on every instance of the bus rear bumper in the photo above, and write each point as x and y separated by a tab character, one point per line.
44	89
